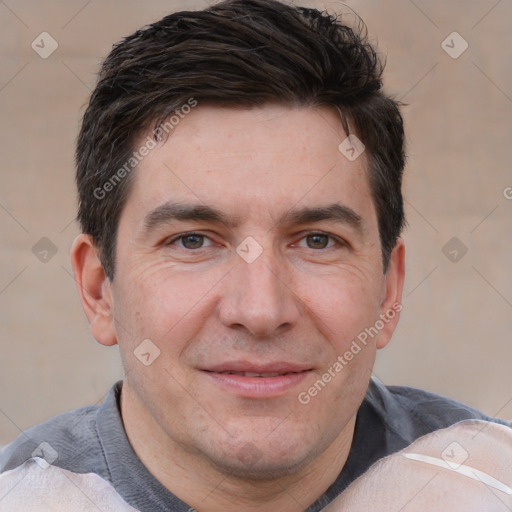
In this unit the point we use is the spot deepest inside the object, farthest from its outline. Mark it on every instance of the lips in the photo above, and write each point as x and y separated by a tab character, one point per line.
251	380
253	374
272	369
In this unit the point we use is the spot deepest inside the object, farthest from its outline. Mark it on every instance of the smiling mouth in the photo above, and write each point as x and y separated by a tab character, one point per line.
259	384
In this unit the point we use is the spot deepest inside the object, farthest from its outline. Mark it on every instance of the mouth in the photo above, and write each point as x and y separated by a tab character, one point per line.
257	381
254	374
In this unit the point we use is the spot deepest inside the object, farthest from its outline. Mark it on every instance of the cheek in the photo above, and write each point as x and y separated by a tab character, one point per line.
343	305
160	304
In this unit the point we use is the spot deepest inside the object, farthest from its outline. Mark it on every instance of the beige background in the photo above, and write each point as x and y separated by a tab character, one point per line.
455	334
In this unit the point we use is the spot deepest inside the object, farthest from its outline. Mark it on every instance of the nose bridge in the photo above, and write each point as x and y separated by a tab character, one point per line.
257	297
262	281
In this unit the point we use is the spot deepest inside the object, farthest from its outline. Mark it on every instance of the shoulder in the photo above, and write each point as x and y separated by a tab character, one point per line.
27	488
68	441
470	462
410	413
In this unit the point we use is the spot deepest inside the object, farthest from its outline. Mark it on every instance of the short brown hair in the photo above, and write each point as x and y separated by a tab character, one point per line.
238	53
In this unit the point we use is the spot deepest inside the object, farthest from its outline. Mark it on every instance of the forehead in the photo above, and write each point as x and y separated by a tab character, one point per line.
254	162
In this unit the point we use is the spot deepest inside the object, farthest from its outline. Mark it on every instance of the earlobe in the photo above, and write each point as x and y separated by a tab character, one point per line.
391	300
94	289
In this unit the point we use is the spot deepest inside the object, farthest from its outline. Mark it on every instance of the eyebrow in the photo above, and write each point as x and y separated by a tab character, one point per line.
170	211
334	212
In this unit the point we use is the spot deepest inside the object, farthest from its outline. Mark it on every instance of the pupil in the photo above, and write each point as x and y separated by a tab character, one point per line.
193	241
317	241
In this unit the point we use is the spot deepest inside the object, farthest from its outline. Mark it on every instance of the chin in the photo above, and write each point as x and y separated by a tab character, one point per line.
262	460
260	471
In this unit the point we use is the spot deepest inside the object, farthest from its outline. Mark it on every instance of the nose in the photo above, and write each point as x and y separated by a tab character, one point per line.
259	298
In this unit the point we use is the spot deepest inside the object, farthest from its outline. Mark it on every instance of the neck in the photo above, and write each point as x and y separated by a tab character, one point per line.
194	479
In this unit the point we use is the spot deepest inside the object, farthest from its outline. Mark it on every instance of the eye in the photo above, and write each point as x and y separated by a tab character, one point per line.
317	241
191	241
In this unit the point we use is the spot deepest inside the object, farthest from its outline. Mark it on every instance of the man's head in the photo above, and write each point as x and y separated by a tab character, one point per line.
238	54
248	255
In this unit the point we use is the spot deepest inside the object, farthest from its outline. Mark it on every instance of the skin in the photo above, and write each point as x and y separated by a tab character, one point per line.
299	303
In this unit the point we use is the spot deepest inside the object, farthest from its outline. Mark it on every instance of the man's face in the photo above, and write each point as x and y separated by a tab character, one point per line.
248	252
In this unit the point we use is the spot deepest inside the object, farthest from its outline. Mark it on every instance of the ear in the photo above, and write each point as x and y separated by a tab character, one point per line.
94	289
391	298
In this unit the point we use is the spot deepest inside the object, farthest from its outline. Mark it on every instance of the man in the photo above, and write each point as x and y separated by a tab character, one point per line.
239	173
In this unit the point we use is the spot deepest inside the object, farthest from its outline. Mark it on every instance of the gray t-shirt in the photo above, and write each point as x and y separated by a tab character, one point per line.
93	440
